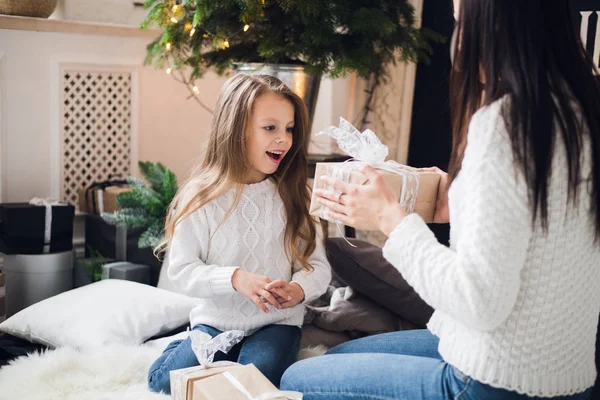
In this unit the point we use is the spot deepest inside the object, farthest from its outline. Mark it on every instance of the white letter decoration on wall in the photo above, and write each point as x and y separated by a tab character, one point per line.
586	27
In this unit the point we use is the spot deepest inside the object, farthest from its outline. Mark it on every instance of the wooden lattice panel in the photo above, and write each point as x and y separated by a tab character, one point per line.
96	128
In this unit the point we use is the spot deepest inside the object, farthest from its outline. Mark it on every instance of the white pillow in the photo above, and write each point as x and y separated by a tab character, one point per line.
108	311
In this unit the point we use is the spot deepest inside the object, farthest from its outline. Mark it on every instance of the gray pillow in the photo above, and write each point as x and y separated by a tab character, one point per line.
364	269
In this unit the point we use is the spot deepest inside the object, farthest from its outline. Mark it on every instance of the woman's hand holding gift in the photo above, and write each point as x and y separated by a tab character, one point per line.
442	213
371	206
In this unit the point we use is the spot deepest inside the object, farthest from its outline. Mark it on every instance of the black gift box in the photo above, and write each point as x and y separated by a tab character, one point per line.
22	228
122	246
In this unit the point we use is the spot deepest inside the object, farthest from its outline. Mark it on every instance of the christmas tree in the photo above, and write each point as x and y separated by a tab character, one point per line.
332	37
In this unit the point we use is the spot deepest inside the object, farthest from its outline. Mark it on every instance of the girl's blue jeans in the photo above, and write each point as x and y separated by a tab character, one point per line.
271	349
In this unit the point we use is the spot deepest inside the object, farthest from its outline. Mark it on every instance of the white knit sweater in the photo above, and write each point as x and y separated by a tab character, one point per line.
251	238
515	308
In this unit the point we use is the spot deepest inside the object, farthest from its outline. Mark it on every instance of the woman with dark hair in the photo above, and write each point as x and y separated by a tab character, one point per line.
517	294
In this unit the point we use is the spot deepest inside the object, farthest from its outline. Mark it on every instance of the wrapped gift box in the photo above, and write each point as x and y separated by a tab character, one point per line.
101	197
89	270
110	198
119	244
127	271
231	382
23	228
417	187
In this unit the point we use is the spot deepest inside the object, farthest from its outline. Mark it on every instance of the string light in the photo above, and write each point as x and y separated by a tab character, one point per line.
168	46
175	7
168	70
226	44
192	32
174	20
195	89
246	27
205	35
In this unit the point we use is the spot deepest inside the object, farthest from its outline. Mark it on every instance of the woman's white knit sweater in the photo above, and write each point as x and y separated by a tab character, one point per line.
202	260
516	308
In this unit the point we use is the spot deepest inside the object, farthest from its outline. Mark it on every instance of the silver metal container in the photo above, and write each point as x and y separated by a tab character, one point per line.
293	76
30	278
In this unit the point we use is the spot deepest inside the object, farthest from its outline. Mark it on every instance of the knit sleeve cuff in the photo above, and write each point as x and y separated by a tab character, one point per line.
410	226
410	236
220	282
307	288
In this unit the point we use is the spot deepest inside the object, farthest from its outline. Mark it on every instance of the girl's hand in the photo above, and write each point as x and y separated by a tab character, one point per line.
372	206
288	294
253	287
442	213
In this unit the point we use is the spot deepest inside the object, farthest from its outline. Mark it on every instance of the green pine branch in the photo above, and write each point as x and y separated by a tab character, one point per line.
146	205
152	237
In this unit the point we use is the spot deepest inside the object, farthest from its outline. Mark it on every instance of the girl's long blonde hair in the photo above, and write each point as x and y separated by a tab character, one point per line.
225	165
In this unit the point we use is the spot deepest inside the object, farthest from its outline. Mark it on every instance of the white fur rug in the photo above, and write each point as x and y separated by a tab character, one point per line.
110	373
115	372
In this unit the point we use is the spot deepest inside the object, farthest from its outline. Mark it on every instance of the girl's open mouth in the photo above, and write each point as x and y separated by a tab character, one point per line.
275	156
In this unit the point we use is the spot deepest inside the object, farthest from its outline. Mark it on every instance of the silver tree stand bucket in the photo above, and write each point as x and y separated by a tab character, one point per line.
293	76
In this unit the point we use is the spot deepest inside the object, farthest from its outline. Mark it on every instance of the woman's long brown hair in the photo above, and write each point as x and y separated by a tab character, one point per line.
530	52
225	166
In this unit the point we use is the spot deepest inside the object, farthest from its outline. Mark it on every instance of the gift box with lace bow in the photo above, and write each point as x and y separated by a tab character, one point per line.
415	189
223	379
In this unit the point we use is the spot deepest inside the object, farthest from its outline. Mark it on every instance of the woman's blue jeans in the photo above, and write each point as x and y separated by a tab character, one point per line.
397	365
271	349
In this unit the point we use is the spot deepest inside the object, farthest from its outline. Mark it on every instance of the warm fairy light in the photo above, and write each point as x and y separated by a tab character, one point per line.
192	32
205	35
226	44
168	70
175	7
195	89
246	27
168	46
174	20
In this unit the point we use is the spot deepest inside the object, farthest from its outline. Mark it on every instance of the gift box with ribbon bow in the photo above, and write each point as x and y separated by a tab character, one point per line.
119	244
101	197
222	379
38	227
416	189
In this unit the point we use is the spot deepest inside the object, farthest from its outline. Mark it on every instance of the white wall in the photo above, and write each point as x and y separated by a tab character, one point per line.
169	127
29	122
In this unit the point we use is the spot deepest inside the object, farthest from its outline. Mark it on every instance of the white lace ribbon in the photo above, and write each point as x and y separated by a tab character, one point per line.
205	347
274	395
366	148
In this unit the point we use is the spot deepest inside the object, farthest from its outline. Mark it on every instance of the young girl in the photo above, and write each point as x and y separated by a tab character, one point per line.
239	235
